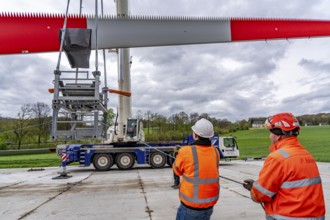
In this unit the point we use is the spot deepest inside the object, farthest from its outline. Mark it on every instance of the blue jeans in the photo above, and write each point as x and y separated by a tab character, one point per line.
185	213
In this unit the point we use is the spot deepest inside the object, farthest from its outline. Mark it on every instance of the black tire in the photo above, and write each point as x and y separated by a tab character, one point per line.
125	161
103	162
157	160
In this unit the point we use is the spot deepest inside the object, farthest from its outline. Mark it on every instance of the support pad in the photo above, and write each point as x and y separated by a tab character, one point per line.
63	175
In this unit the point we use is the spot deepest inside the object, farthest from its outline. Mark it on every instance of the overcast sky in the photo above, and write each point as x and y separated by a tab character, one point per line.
231	81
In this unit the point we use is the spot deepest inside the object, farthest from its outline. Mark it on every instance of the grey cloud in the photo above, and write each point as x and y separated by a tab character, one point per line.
24	79
315	66
196	81
309	103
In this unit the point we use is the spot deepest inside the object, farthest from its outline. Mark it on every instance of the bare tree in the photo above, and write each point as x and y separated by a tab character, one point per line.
40	112
179	121
21	123
193	117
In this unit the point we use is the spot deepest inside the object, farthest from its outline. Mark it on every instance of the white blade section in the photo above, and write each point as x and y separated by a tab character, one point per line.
142	32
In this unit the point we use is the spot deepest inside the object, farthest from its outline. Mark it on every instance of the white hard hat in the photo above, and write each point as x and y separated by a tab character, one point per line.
203	128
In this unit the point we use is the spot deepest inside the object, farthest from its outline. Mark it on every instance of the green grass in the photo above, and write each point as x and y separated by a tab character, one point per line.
255	142
317	141
252	143
34	160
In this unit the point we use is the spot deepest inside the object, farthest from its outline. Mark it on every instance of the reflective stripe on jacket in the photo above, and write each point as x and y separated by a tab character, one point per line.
199	167
289	183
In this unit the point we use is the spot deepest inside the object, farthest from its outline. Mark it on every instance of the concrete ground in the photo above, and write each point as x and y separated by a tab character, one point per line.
138	194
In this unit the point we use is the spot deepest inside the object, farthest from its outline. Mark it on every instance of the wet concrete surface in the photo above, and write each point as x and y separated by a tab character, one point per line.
142	193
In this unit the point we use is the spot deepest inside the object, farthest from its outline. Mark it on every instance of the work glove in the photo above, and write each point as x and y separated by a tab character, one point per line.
248	184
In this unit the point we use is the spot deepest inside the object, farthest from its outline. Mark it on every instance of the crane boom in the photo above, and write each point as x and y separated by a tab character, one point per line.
33	33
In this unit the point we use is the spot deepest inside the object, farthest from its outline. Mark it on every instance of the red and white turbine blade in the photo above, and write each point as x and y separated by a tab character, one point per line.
31	33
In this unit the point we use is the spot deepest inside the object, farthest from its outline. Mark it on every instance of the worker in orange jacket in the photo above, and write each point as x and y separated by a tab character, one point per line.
198	164
289	182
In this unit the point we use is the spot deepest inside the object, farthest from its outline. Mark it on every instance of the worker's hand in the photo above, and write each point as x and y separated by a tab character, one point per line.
248	184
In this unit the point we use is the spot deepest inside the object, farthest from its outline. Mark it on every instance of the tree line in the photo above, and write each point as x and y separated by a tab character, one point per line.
177	126
31	126
33	121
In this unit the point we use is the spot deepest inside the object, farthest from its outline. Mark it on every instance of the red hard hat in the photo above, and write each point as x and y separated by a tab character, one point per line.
284	121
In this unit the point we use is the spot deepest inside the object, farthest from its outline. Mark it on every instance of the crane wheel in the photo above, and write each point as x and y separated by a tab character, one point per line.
103	162
125	161
157	160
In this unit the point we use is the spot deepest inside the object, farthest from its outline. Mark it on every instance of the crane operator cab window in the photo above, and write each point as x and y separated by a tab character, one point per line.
229	142
131	128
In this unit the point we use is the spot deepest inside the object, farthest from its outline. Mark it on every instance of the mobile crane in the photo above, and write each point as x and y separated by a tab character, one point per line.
122	144
126	154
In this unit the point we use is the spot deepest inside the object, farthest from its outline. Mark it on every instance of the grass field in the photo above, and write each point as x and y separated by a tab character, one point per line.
316	139
34	160
252	143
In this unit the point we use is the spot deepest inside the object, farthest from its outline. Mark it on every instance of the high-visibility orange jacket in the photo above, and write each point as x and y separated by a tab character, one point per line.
289	183
199	167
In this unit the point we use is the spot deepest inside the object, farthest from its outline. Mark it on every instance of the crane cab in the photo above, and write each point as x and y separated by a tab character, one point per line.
227	146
